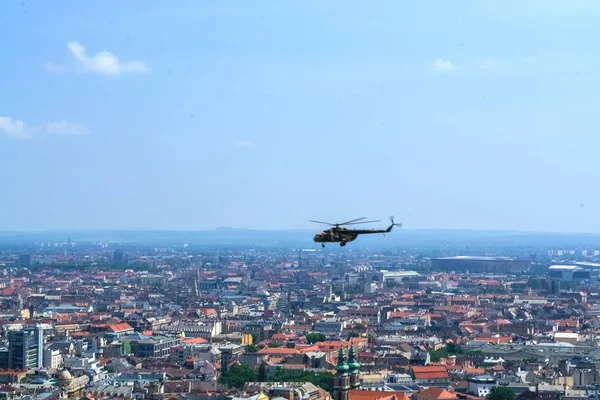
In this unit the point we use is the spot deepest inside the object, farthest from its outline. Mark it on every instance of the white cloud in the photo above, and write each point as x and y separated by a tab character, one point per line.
243	144
64	128
487	64
17	129
14	128
104	62
51	67
441	65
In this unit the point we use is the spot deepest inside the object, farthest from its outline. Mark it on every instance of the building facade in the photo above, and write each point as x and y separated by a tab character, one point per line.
481	386
502	265
25	349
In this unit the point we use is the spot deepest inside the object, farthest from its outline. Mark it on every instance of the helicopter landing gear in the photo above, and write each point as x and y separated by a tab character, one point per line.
342	244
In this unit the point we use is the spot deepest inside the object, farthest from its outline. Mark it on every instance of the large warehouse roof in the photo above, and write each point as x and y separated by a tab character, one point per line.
476	258
564	267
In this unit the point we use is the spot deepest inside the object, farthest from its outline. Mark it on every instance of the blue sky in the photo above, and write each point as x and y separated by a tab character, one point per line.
264	114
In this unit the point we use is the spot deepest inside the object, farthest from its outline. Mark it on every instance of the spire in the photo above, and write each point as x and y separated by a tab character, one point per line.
341	367
353	364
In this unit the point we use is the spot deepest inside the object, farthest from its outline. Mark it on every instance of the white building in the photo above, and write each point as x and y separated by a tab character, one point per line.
370	288
200	352
52	359
329	327
481	385
84	366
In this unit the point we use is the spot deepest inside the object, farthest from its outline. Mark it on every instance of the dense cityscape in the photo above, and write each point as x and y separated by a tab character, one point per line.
299	200
134	321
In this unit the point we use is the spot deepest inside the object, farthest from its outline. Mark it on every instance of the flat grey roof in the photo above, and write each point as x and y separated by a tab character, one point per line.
478	258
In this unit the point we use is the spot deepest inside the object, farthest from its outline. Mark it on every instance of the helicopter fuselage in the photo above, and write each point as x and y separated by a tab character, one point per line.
343	235
335	235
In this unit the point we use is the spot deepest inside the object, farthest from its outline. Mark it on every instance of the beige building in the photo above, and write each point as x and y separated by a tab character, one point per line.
434	394
566	337
52	359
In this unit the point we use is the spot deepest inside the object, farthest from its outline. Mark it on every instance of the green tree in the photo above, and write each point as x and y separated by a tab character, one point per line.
252	348
454	348
322	379
445	352
350	290
263	375
352	335
501	393
585	326
437	355
476	353
237	376
274	344
315	337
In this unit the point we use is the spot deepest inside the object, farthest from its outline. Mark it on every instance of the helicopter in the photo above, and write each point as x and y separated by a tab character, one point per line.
338	234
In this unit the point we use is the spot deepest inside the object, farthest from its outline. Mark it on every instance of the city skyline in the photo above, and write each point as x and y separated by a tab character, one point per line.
148	115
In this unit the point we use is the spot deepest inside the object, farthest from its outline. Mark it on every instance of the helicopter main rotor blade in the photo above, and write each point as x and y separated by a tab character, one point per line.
321	222
363	222
353	220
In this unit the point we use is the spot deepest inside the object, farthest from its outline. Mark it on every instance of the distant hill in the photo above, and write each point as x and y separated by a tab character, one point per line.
400	238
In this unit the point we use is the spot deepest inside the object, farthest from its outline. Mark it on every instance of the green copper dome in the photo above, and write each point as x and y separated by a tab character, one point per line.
353	365
342	367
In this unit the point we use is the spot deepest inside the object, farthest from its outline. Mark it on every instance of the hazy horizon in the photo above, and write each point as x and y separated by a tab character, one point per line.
188	116
300	230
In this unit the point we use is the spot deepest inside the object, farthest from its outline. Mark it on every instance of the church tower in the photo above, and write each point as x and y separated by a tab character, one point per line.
353	369
341	381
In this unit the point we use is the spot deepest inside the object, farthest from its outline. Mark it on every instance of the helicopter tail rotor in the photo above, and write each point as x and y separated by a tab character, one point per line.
393	224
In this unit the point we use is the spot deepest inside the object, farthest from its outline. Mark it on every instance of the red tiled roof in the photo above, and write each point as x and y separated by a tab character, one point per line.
377	395
196	340
436	393
474	371
307	348
276	351
499	339
284	336
430	372
124	326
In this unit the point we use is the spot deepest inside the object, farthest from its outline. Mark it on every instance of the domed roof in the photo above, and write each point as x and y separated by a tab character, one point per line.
353	364
65	376
342	367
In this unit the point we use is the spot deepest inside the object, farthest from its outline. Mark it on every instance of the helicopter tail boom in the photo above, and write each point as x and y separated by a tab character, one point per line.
389	229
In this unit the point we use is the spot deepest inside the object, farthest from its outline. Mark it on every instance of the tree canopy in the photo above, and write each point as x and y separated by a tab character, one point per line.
252	348
445	352
263	373
322	379
352	334
315	337
237	376
501	393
